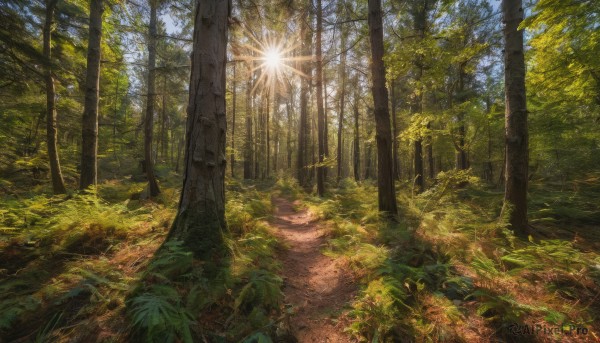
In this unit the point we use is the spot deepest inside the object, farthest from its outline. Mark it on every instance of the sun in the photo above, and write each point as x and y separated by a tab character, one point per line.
272	58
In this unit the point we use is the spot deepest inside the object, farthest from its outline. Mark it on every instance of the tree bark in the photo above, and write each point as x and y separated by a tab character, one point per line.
258	137
320	110
248	151
516	134
164	139
356	145
430	162
233	124
303	125
396	162
342	99
288	109
461	153
275	131
267	147
89	132
383	136
58	184
150	102
200	220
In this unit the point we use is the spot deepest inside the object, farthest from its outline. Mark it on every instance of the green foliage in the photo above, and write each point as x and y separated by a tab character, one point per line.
262	289
159	315
288	186
559	254
172	262
12	309
500	307
379	309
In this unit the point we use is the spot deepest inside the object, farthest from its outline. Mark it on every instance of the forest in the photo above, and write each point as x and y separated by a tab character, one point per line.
299	171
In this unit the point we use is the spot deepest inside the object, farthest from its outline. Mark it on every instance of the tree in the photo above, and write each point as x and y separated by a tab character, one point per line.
321	126
356	135
89	131
304	128
234	92
150	101
248	144
342	97
58	184
516	135
385	168
200	218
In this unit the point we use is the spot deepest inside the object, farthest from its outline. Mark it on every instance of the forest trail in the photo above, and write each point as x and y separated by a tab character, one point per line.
317	286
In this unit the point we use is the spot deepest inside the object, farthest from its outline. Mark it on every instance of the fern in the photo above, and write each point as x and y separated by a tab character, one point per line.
263	288
484	266
159	317
172	262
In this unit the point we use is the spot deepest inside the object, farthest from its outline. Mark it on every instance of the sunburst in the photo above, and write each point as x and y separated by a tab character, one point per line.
274	58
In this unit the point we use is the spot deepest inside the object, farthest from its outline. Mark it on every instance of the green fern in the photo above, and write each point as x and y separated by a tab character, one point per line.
484	266
263	288
158	315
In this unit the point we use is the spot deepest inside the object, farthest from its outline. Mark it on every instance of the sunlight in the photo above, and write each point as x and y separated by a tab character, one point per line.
273	58
276	59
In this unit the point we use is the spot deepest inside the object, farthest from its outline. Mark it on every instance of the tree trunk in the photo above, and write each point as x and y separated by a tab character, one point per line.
340	150
288	108
303	125
516	135
179	147
164	140
200	220
248	151
396	162
267	154
275	131
150	102
320	110
258	138
368	168
461	153
418	160
430	158
383	136
356	145
489	166
89	132
233	124
58	184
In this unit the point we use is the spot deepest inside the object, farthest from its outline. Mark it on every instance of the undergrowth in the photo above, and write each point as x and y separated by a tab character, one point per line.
450	270
83	268
178	300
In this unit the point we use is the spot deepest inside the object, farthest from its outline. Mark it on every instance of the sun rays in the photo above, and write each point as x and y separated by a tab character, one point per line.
275	60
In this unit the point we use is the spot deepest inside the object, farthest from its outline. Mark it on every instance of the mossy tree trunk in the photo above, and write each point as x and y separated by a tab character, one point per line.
200	220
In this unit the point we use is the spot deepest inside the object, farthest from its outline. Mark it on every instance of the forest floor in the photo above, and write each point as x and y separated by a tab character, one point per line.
318	287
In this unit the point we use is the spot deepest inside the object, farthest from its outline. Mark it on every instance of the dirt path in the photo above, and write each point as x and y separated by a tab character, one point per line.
317	286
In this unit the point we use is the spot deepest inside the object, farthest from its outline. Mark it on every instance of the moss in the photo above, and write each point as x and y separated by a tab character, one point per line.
201	231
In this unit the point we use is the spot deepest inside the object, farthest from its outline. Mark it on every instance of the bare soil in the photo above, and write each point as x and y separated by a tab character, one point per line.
318	287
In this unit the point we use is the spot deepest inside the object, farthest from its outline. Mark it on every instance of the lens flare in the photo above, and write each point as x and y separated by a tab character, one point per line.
273	58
